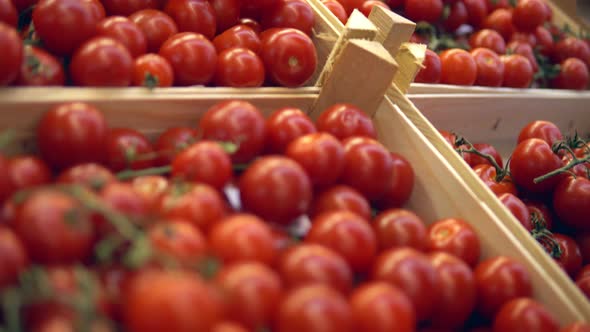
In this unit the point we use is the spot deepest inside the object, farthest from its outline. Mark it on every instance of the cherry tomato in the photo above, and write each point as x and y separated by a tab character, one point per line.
8	13
485	149
518	71
501	21
12	54
380	307
570	201
229	327
156	25
239	68
13	257
28	172
64	25
412	272
314	308
350	5
254	9
40	68
204	162
310	263
238	36
457	291
457	17
368	5
337	9
571	257
192	56
341	197
242	237
518	209
6	188
160	300
488	175
348	234
128	149
583	241
573	75
286	125
122	198
401	186
172	142
526	50
296	14
541	129
289	56
488	38
102	61
584	285
495	4
458	67
276	188
431	72
52	212
346	120
128	7
524	314
252	24
576	327
151	70
398	228
545	41
424	10
91	175
125	31
529	14
572	47
524	37
533	158
541	213
196	16
237	122
456	237
72	133
321	155
490	70
151	189
499	280
227	13
178	240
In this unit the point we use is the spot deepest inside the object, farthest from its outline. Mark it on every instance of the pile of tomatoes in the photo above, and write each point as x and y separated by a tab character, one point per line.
156	43
553	208
239	223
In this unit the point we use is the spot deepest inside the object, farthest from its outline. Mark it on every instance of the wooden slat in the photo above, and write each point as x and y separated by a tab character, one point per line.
394	29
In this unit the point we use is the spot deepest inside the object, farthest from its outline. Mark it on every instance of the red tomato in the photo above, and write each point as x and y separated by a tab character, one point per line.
571	257
457	291
151	70
499	280
227	13
524	37
337	9
229	327
583	241
456	237
584	285
346	120
172	142
152	302
501	21
151	189
93	176
125	31
572	47
289	56
526	50
40	68
431	72
204	162
13	257
540	212
570	201
102	61
576	327
458	67
242	237
457	17
533	158
348	234
573	75
54	320
12	54
529	14
524	314
128	7
485	149
398	228
477	11
128	149
193	16
255	8
412	272
122	198
488	175
488	38
350	5
495	4
339	198
424	10
192	56
237	122
368	167
518	71
156	26
368	5
8	13
239	68
72	133
276	188
178	240
252	24
310	263
314	308
321	155
286	125
76	24
518	209
401	186
52	212
490	69
545	41
380	307
541	129
28	172
296	14
6	189
238	36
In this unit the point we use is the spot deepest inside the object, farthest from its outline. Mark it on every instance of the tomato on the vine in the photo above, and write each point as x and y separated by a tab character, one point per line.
518	209
172	142
192	57
571	257
533	158
12	54
92	175
128	149
239	68
571	199
102	61
178	240
488	175
193	16
152	70
40	68
541	129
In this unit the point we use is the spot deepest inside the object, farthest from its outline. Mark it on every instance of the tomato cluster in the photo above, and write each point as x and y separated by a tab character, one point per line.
156	43
546	186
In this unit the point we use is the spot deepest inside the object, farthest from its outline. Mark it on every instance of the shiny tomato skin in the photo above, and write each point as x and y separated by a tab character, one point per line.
178	240
501	21
128	149
490	39
529	14
192	57
13	257
40	68
526	50
64	25
570	202
237	122
296	14
401	186
91	175
545	42
381	307
314	308
486	149
458	67
368	5
398	228
457	17
193	16
576	327
499	280
6	188
172	142
337	9
518	71
533	158
571	257
239	68
12	57
8	13
125	31
477	10
424	10
252	24
541	129
487	174
341	197
150	189
238	36
276	188
289	56
456	237
28	172
346	120
72	133
412	272
227	13
541	212
431	72
524	314
572	47
253	9
584	285
524	37
102	61
583	241
348	234
152	70
123	198
573	75
128	7
518	209
156	25
310	263
204	162
350	5
227	326
286	125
